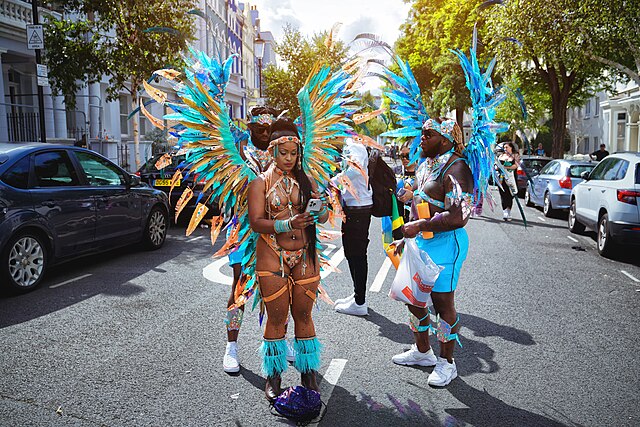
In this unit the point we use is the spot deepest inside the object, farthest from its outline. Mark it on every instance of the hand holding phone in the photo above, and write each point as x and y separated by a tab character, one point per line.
314	205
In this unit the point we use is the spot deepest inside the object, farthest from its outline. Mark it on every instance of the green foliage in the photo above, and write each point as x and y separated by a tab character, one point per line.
510	111
112	41
299	54
375	126
432	28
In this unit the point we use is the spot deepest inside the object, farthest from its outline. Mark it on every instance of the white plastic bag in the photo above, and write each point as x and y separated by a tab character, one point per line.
415	277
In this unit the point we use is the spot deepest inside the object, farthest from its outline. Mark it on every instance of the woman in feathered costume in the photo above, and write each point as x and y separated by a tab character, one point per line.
287	263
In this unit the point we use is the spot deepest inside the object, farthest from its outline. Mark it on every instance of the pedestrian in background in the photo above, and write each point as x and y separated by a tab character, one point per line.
509	160
405	175
600	154
355	229
540	150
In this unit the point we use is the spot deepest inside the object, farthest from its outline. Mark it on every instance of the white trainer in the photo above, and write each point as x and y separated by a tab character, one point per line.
414	357
443	373
351	307
231	363
342	301
291	352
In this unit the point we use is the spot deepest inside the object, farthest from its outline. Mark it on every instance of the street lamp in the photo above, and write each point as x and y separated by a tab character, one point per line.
258	50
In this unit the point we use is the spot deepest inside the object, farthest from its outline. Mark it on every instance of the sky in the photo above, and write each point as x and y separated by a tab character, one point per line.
381	17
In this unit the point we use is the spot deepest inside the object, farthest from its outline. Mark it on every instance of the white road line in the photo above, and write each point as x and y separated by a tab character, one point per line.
212	272
630	276
330	379
335	261
572	239
382	274
542	219
195	238
69	281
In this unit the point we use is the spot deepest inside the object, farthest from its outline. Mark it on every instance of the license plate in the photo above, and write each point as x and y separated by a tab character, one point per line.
164	183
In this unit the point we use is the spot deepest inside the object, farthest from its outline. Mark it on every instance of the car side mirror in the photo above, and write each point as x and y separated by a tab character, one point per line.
134	181
585	175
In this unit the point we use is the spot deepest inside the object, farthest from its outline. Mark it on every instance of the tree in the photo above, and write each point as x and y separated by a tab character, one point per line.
127	40
299	55
432	28
376	125
540	43
611	35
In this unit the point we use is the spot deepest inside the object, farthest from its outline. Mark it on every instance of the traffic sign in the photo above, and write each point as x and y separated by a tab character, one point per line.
35	36
42	70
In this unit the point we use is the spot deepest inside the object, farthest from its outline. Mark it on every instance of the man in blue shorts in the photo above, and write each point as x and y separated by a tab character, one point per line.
443	180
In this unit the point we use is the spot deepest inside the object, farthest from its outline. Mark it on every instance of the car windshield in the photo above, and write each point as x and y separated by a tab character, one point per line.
575	171
638	173
535	163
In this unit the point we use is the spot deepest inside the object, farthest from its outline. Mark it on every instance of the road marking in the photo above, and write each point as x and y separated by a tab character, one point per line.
382	274
69	281
330	379
212	272
335	261
630	276
195	238
572	239
542	219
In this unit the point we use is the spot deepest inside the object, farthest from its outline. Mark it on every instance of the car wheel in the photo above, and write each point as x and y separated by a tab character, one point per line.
24	262
155	232
574	225
606	246
547	209
527	198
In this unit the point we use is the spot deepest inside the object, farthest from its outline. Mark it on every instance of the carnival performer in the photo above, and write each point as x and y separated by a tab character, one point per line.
444	181
287	263
509	160
405	175
252	148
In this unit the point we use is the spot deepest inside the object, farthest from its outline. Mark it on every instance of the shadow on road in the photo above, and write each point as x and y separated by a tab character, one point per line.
519	222
45	300
396	332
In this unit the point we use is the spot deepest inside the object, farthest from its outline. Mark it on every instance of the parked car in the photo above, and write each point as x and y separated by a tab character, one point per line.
551	188
58	203
607	201
161	180
531	165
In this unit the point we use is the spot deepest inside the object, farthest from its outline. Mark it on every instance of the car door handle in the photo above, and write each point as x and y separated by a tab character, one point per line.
49	203
588	189
602	191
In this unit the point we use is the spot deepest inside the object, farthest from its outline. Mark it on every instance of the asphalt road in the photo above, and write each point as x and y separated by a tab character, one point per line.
130	338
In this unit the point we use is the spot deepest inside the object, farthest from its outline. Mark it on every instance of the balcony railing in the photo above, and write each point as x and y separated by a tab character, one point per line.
17	13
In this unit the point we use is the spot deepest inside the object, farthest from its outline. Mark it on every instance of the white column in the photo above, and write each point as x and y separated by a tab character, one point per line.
60	116
4	126
49	122
94	110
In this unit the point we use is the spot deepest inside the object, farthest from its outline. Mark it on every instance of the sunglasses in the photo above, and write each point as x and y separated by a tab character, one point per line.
404	156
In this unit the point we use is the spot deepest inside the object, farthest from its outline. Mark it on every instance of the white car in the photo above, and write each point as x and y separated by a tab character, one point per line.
607	201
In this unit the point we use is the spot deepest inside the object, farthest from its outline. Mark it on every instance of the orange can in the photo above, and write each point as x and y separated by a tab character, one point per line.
424	213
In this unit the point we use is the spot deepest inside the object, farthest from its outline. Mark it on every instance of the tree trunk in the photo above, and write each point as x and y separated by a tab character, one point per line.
559	101
460	116
136	129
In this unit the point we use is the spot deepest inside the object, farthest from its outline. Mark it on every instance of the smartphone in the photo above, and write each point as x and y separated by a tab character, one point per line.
401	192
314	205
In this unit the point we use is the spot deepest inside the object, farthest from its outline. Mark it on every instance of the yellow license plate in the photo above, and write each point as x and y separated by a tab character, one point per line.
164	183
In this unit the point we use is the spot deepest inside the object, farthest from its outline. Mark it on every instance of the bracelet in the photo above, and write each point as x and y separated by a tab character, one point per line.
322	211
282	225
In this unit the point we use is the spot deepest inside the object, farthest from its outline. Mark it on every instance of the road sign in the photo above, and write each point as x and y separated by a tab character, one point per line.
43	81
42	70
35	36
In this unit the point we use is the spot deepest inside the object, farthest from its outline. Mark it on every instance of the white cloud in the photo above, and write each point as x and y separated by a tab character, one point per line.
381	17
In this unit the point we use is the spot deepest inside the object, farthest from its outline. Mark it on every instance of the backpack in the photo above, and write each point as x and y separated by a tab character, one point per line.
382	181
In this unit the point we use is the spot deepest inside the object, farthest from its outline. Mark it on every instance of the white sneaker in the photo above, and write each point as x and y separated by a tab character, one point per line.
414	357
505	214
352	308
344	300
231	363
443	373
291	352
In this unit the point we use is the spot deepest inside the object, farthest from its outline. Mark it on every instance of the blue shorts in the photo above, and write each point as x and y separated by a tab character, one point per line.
449	250
235	257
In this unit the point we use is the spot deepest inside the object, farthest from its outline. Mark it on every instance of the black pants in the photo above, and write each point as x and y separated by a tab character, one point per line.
355	240
505	195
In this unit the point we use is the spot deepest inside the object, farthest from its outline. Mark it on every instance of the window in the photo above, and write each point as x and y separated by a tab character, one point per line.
602	167
548	169
611	173
621	170
54	169
124	112
576	171
596	107
99	171
18	175
587	108
596	145
622	119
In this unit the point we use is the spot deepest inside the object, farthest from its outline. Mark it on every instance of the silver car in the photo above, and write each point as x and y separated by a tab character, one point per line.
607	201
551	189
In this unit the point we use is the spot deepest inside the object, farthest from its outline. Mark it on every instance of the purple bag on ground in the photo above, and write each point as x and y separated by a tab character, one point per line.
298	404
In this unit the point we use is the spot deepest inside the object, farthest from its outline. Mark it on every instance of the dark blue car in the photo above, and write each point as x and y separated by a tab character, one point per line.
59	202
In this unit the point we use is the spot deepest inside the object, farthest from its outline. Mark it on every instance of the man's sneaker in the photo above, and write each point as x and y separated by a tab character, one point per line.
342	301
350	307
231	364
443	373
414	357
505	214
291	352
